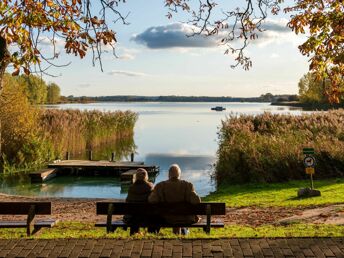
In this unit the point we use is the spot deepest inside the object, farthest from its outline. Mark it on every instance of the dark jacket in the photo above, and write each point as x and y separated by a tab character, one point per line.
174	191
138	192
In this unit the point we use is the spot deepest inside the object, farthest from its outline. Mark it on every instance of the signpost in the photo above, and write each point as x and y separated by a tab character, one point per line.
309	162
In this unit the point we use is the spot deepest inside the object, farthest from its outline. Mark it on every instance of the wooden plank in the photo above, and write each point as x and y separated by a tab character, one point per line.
22	208
121	208
22	224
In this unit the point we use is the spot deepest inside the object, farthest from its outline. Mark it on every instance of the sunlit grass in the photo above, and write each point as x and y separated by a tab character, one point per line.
87	230
278	194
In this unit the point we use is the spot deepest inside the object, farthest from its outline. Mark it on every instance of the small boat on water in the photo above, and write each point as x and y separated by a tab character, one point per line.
218	108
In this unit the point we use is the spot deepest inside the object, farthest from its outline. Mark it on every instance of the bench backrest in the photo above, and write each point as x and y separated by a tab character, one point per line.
121	208
23	208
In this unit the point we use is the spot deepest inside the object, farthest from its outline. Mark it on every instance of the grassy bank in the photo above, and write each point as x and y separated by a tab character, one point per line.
268	147
87	230
278	194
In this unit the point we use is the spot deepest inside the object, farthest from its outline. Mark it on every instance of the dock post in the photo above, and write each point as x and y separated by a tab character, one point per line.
112	156
90	155
132	157
67	155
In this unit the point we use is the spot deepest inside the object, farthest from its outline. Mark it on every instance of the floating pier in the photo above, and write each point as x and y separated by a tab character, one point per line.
120	167
124	169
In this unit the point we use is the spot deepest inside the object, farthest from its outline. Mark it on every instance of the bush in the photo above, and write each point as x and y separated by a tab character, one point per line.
268	148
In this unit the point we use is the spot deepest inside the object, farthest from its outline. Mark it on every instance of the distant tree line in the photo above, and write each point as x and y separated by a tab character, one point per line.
125	98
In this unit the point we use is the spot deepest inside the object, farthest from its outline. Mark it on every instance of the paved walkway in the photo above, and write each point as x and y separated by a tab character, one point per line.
296	247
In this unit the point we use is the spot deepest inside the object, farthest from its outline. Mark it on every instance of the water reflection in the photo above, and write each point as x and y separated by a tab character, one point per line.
122	148
195	168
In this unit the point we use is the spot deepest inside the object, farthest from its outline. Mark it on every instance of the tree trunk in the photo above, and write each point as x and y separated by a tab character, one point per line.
4	61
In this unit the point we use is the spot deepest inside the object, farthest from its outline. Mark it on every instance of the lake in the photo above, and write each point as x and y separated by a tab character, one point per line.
165	133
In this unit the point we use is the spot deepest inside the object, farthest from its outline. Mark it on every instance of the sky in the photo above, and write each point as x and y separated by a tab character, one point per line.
155	57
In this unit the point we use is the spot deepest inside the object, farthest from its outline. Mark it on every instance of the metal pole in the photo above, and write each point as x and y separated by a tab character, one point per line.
67	155
90	155
312	186
132	157
112	156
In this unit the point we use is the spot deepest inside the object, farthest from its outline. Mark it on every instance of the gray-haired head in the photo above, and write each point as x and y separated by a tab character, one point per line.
141	175
174	172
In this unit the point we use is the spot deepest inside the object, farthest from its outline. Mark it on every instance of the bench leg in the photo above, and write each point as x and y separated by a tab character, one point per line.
206	230
208	211
134	230
29	220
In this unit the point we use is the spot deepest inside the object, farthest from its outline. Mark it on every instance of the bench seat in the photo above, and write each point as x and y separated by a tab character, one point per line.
159	209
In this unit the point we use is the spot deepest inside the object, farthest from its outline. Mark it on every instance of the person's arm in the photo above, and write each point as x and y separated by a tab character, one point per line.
129	197
193	197
154	195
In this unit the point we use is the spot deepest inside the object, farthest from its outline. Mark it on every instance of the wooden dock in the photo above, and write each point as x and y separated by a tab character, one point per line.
122	166
124	169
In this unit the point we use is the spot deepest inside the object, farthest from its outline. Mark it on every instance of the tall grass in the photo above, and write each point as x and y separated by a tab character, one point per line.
76	131
268	147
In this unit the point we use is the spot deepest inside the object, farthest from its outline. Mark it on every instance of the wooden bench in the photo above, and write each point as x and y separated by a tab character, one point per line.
30	209
147	209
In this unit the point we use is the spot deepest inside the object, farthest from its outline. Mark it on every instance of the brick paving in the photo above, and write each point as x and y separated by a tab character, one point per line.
284	247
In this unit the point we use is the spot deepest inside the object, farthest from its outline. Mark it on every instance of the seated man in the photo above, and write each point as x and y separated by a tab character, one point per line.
138	192
175	190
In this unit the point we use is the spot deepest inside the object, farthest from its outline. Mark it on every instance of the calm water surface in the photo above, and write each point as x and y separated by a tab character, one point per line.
166	133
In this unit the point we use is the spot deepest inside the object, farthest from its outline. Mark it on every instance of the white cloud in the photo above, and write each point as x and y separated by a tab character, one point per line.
274	55
127	73
84	85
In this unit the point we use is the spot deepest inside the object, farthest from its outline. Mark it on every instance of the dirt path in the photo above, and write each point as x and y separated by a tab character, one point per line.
82	209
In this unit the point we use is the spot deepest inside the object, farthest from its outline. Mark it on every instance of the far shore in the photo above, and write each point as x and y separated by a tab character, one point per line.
308	106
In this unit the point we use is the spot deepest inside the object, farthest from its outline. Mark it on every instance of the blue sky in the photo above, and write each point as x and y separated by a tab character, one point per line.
155	58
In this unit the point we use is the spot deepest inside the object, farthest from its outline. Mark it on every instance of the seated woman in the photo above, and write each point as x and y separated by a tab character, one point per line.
138	192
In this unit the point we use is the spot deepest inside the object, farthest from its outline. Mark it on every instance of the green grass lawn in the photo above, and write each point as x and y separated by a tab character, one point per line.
279	194
87	230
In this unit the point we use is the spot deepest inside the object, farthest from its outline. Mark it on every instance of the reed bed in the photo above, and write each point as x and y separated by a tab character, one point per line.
268	147
76	131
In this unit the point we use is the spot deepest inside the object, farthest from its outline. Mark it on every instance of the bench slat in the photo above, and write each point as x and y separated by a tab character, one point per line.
22	208
121	208
22	224
121	223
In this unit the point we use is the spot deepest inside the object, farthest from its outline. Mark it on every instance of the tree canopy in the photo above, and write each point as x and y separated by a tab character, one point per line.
83	27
